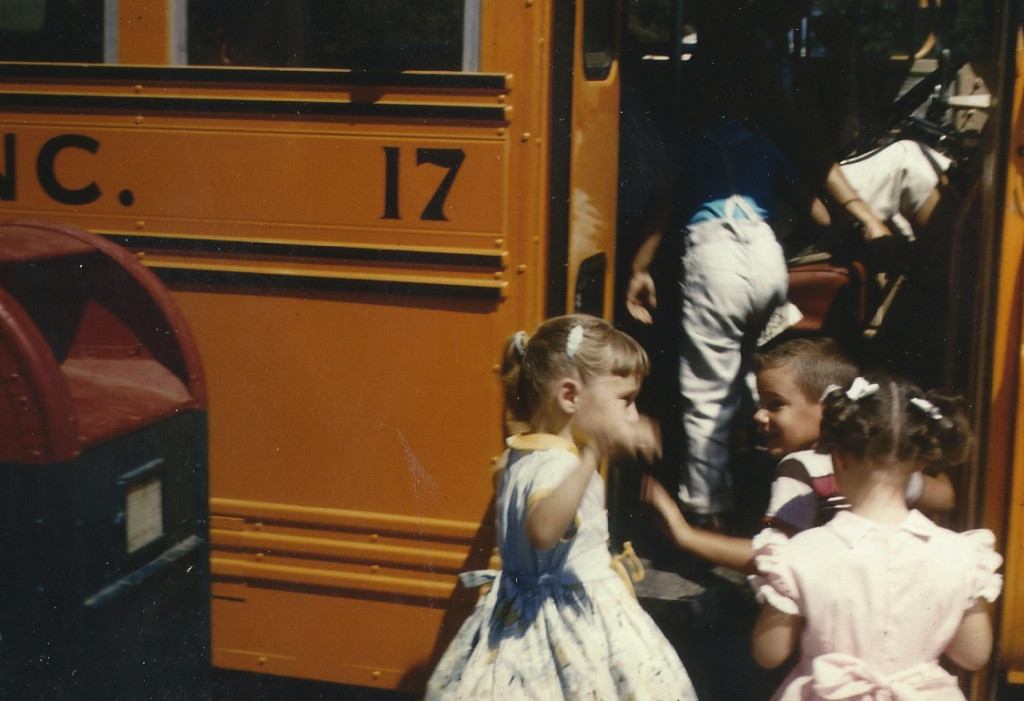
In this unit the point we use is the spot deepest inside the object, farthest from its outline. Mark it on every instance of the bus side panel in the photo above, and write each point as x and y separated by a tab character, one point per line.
348	282
1004	500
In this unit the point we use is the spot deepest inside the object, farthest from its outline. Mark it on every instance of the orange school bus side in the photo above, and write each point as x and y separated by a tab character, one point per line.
1002	481
351	232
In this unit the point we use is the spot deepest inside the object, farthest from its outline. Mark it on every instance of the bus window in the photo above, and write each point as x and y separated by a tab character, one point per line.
380	35
598	38
52	31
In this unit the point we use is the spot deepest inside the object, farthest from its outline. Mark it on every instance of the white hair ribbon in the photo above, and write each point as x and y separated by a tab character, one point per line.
861	388
929	409
829	390
574	340
519	341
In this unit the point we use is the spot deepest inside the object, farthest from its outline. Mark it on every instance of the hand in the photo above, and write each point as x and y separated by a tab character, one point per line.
653	492
886	254
646	439
875	228
633	438
640	297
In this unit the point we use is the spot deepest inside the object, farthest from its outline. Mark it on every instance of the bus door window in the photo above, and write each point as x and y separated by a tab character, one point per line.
598	38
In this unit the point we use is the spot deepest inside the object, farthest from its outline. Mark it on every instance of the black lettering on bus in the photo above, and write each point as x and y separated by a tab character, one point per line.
46	169
391	183
8	191
450	158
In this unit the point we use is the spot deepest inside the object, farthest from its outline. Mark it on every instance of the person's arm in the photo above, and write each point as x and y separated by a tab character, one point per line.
931	493
549	515
776	635
971	646
727	551
840	189
640	292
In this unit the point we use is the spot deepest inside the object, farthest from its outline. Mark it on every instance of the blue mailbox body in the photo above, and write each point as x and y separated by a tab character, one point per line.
104	557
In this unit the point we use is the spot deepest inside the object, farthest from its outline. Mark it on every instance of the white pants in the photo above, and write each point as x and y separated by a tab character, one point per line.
734	276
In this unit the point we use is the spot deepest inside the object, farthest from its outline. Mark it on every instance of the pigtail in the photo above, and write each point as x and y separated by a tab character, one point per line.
846	423
513	355
944	429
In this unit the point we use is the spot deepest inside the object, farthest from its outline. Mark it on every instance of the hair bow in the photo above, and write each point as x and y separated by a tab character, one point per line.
574	340
859	389
519	341
926	407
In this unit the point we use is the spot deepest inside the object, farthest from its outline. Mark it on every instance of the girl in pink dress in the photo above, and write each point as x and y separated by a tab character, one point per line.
877	596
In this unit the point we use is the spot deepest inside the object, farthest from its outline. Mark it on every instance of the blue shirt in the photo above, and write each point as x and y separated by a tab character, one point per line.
723	159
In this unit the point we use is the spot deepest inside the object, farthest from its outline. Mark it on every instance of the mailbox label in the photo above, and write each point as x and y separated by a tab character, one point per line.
144	514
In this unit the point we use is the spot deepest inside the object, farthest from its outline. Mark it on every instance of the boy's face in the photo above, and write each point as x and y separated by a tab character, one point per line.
788	420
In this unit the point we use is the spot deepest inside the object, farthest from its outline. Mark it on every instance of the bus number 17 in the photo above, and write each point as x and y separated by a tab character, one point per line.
450	158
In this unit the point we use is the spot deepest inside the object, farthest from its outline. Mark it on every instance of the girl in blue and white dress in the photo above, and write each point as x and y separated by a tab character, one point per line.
558	621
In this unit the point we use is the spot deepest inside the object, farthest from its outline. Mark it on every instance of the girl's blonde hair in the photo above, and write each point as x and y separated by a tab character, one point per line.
565	346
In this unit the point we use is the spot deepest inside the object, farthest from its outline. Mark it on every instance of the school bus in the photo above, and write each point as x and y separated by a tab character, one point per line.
353	206
1001	506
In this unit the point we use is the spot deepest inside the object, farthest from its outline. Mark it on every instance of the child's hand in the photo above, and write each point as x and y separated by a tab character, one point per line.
653	492
640	438
640	297
646	439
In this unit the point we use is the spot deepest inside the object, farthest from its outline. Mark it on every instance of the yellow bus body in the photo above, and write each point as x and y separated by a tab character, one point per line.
349	322
1003	504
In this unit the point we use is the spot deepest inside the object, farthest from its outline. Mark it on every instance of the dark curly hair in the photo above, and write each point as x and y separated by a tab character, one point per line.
894	421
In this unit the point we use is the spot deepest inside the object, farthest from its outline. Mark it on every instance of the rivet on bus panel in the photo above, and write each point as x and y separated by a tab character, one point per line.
499	242
259	557
525	137
140	225
261	660
497	276
501	131
521	268
375	674
138	119
137	88
374	537
374	569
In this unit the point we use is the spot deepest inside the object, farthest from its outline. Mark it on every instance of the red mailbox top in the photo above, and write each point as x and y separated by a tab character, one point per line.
91	345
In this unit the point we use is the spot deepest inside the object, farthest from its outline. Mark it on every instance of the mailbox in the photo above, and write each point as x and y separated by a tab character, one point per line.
104	558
